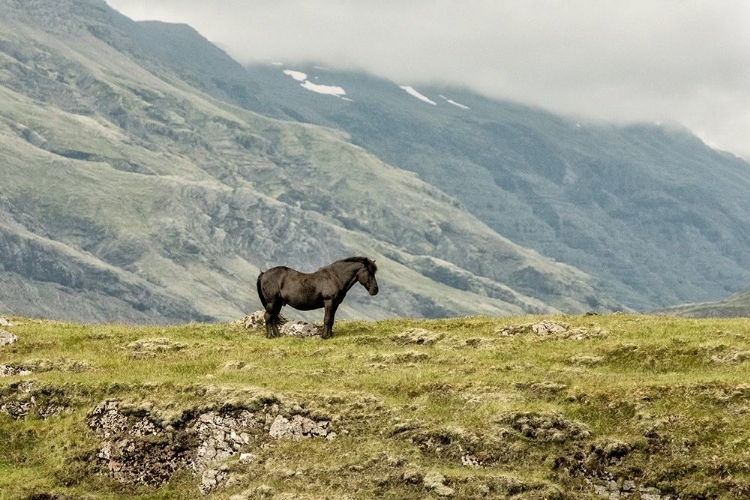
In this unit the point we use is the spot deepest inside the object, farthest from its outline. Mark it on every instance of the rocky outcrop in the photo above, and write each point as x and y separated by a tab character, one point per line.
137	448
295	328
23	398
551	330
299	427
7	338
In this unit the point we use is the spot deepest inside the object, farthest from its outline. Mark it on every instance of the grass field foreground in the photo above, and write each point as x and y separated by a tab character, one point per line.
616	406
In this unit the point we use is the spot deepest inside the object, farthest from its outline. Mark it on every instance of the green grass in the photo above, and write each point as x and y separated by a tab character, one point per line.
659	401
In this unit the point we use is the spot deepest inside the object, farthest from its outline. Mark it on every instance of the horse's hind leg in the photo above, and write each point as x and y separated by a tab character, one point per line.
272	318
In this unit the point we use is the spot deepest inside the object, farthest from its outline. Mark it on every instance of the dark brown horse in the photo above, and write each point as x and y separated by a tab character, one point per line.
326	288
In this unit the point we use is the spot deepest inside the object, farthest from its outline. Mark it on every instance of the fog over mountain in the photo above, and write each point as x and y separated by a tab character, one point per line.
685	61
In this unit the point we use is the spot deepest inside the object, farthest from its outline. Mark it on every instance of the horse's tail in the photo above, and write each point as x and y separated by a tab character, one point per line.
260	291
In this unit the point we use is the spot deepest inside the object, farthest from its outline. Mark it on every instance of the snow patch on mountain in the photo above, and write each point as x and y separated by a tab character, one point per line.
410	90
314	87
324	89
451	101
297	75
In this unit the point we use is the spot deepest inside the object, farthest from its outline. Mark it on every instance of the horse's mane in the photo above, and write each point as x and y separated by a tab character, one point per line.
369	264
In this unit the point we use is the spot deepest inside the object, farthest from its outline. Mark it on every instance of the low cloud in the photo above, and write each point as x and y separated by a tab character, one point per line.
686	61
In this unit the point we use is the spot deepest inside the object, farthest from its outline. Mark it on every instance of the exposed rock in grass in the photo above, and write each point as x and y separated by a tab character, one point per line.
211	479
544	328
60	364
294	328
299	427
300	329
418	336
137	448
625	489
549	329
23	398
44	365
11	371
129	457
5	321
221	436
146	348
255	321
7	338
470	460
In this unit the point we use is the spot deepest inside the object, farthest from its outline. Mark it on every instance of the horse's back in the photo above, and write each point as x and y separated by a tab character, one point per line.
272	281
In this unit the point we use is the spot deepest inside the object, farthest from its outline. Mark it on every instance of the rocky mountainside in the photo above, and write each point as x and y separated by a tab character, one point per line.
656	216
132	190
648	209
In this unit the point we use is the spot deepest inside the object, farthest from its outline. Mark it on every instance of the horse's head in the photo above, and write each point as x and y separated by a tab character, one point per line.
366	276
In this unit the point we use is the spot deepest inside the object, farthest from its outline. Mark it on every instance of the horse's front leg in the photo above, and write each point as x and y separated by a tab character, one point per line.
330	314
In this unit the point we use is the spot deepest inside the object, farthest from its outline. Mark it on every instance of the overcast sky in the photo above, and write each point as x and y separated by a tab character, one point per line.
627	60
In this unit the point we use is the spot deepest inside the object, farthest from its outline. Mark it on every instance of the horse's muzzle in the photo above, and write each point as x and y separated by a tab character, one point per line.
373	290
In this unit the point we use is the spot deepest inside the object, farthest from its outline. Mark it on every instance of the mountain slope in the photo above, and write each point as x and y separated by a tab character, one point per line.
648	210
131	195
735	306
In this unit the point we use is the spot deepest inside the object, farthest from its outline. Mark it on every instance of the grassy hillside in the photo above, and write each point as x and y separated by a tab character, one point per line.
461	408
735	306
